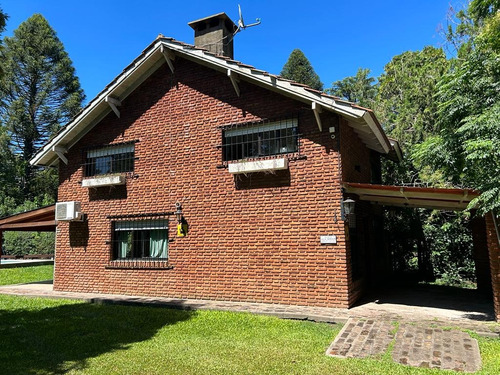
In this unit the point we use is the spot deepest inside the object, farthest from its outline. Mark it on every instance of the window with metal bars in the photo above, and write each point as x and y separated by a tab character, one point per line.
145	239
265	139
110	159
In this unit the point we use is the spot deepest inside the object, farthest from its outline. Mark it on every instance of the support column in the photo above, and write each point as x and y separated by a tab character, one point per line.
494	255
1	246
481	255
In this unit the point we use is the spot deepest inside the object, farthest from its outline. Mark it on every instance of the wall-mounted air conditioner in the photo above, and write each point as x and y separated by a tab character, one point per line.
68	211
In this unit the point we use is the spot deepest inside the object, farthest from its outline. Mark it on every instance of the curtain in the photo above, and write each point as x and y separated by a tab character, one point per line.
123	244
158	243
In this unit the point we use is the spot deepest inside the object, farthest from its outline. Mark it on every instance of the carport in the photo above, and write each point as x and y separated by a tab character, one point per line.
38	220
485	231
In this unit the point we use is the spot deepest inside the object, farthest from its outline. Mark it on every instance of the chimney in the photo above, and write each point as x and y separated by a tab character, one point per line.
215	33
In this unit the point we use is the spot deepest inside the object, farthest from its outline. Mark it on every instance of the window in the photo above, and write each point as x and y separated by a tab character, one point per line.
273	138
110	159
140	239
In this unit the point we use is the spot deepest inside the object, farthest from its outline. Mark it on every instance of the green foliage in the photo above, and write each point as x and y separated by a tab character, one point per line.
449	239
299	69
40	92
358	89
405	102
466	150
407	105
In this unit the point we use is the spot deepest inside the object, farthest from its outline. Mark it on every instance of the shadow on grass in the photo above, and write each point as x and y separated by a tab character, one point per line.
60	338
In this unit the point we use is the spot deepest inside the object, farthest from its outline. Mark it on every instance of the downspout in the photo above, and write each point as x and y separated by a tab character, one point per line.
495	224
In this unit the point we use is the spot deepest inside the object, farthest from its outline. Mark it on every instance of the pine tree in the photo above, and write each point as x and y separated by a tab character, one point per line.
40	92
299	69
3	21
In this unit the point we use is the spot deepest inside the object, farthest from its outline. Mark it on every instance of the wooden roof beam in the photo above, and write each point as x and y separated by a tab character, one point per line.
316	108
114	104
169	57
234	80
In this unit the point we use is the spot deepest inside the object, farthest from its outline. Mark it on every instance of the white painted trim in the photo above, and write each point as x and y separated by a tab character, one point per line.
316	108
169	57
60	151
234	81
104	181
114	103
258	166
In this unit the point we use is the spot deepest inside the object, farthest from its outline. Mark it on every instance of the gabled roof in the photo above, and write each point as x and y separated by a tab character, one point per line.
164	50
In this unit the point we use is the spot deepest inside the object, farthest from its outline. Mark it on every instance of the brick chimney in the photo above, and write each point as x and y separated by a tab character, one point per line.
215	33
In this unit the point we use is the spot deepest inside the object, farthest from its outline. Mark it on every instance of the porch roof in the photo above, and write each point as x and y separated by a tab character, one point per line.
38	220
413	196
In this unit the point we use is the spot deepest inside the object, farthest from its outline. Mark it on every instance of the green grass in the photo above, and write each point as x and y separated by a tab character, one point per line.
20	275
43	336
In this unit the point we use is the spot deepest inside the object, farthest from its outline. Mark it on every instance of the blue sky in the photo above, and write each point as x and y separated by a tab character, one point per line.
338	37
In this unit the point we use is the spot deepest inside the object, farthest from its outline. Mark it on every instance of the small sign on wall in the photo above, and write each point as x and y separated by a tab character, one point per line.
328	240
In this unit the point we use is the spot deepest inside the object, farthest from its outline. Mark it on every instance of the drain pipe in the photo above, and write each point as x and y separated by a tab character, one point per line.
495	224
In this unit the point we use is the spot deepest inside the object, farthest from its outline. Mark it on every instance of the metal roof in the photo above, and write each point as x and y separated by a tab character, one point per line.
163	50
412	196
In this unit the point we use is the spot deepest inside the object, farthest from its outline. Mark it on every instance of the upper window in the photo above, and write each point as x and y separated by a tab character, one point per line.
140	239
273	138
110	159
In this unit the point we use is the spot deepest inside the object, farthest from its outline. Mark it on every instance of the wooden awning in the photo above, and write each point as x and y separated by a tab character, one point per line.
418	197
39	220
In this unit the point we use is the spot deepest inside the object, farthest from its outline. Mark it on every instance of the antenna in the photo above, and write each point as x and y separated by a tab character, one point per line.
241	23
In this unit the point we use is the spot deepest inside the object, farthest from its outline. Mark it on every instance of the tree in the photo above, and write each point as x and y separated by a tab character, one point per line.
299	69
40	92
359	89
3	21
407	106
467	148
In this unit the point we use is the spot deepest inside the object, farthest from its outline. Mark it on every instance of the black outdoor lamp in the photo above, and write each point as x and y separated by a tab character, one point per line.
348	206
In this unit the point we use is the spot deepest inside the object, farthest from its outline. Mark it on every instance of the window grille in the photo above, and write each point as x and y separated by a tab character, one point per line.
140	241
110	159
260	140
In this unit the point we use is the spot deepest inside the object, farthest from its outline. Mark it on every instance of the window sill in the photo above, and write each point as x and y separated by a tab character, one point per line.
139	264
258	166
109	180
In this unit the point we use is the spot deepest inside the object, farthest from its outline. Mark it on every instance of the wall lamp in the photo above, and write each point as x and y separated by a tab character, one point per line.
347	209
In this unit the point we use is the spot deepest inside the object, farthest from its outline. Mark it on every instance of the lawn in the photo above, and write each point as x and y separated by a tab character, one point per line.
45	336
20	275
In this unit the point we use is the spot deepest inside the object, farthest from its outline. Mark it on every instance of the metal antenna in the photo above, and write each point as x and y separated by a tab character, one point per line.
241	23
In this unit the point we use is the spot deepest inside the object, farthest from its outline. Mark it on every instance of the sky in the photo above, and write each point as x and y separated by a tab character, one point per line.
337	36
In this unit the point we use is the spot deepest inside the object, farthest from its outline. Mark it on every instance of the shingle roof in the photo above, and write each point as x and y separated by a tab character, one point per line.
363	120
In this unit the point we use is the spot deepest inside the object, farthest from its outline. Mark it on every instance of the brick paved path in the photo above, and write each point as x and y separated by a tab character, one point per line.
414	344
421	346
362	338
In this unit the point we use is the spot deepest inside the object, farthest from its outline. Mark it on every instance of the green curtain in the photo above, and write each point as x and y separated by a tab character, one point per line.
158	244
124	244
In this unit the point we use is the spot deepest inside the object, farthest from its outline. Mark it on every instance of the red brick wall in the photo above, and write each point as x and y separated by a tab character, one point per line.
251	243
356	168
494	251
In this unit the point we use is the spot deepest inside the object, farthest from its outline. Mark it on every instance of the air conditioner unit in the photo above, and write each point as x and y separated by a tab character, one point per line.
68	211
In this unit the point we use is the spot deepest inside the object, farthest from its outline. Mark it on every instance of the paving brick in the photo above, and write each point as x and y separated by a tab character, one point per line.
362	338
421	346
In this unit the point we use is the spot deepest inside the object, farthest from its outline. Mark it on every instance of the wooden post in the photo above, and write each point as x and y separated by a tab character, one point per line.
1	246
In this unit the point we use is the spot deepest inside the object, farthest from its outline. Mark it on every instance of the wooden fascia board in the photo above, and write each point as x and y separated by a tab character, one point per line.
30	226
416	203
30	215
409	194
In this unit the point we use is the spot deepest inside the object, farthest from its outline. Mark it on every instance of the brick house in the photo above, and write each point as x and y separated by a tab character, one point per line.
259	166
